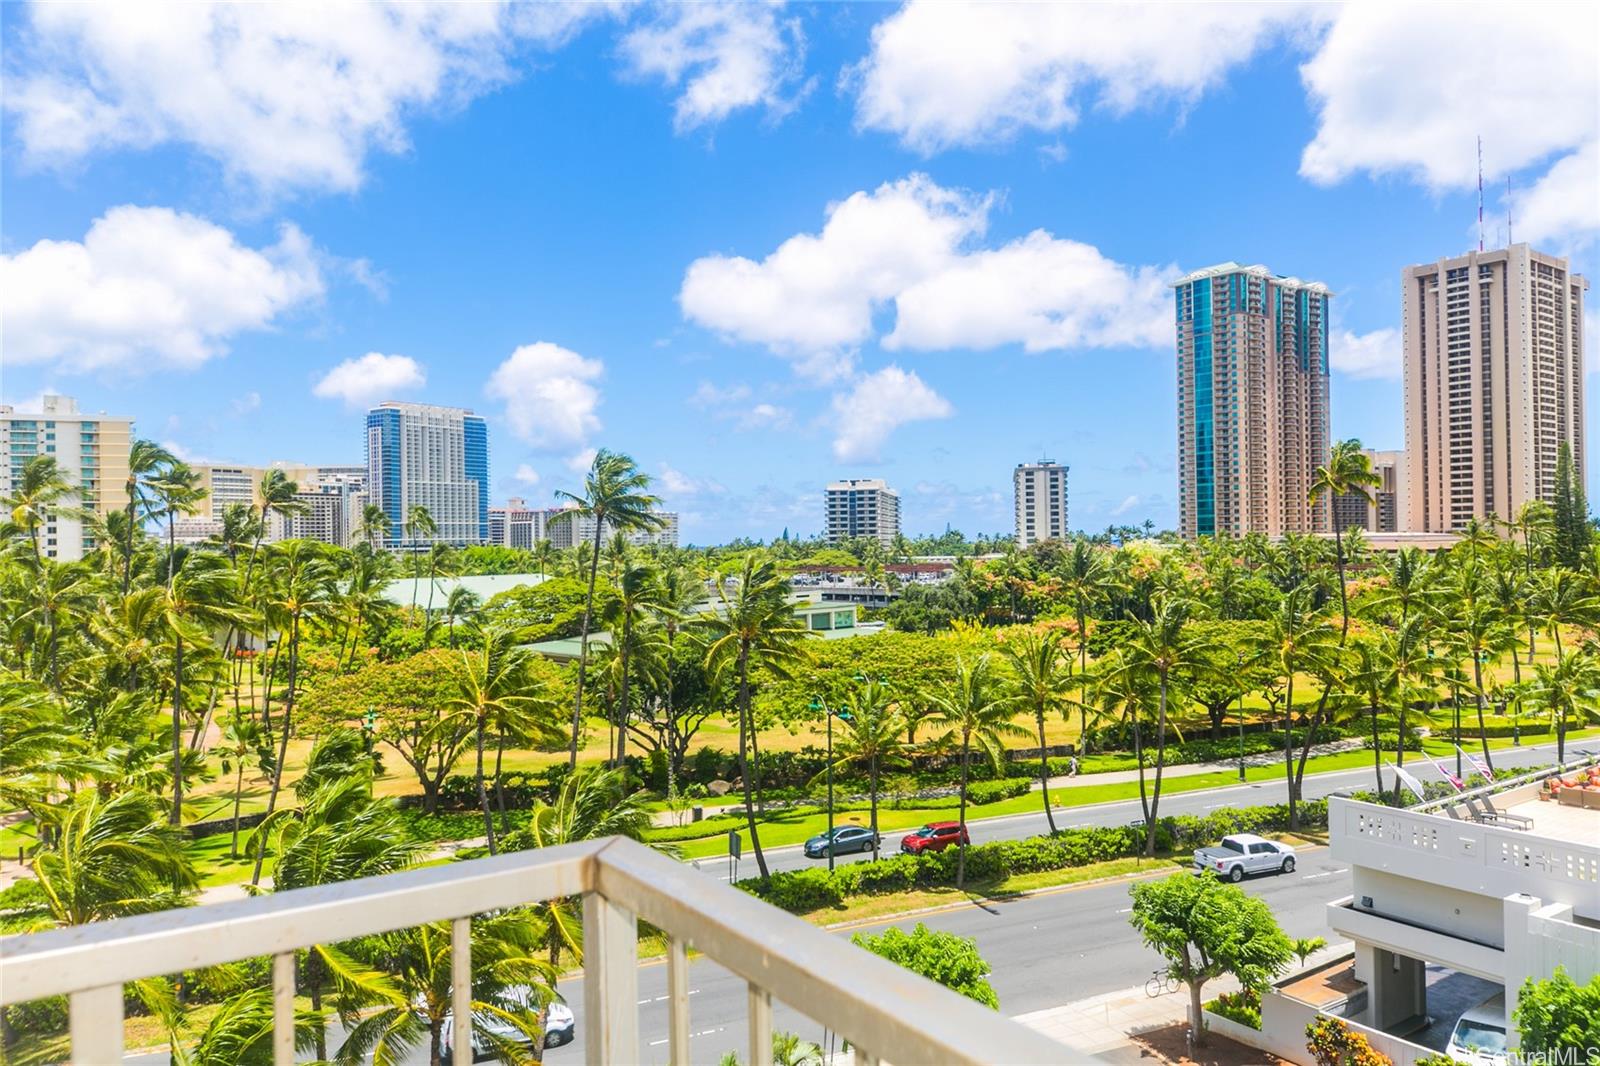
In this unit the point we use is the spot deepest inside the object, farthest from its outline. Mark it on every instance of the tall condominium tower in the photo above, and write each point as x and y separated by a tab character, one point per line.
1252	401
1041	501
91	452
333	496
1493	383
1381	508
436	457
862	507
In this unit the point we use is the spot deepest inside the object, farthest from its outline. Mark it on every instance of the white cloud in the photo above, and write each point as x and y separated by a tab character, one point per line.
580	461
878	404
371	379
1366	355
942	73
1128	503
549	394
1040	291
726	55
282	95
732	403
909	243
250	401
1399	90
526	475
764	416
708	395
1563	207
148	286
676	483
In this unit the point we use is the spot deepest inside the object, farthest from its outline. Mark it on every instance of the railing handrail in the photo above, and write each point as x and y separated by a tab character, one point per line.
1494	788
883	1010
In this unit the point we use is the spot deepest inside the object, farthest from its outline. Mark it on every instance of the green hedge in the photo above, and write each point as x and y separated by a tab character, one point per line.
811	889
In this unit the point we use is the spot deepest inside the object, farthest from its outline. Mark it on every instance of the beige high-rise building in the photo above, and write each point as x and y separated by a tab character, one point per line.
1040	494
332	496
1381	508
91	451
1493	383
1252	401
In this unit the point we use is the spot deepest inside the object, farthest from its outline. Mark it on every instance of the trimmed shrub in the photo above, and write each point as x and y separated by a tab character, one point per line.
1243	1006
981	792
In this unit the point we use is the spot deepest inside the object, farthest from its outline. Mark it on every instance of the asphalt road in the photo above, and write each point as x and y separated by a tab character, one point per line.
1121	812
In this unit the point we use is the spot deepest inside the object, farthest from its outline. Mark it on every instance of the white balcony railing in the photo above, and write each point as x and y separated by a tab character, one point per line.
885	1012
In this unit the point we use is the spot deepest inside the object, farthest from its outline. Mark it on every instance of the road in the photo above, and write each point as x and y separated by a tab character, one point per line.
1046	949
1121	812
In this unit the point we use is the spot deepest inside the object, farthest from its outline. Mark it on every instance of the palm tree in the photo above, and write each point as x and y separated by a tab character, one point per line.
1295	641
179	493
753	626
375	526
419	525
463	603
146	460
36	494
1536	521
1562	598
1404	666
300	589
1410	587
1569	691
242	740
875	729
544	556
109	858
613	497
1480	630
1165	656
1083	581
418	961
974	708
198	599
1039	683
1347	473
681	591
493	690
639	594
441	560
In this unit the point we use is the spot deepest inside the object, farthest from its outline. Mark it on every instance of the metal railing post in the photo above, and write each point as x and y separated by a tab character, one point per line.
283	1009
678	1001
760	1027
461	990
610	981
96	1025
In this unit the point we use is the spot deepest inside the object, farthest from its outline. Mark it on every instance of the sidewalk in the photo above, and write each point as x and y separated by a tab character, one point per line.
1266	758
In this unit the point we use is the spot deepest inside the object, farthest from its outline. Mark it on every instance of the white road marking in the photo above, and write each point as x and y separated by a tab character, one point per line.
703	1032
1126	910
1325	873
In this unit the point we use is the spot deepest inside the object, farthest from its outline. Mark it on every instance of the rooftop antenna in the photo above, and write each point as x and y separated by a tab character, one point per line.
1480	192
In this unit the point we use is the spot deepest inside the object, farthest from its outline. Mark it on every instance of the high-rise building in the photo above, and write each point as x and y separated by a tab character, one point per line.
516	525
1252	401
579	529
435	457
1379	510
1493	383
1040	490
333	496
862	507
91	451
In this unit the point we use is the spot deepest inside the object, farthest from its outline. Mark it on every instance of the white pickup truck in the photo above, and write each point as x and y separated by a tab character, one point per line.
1245	853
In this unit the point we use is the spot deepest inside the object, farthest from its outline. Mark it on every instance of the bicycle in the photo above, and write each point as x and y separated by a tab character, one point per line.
1160	983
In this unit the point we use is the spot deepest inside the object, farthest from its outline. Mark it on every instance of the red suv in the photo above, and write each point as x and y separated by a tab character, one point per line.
935	836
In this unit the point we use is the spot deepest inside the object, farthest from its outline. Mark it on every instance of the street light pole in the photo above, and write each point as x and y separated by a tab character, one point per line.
820	704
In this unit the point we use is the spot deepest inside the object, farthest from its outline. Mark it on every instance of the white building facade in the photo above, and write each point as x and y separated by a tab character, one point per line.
861	507
1040	496
91	451
433	457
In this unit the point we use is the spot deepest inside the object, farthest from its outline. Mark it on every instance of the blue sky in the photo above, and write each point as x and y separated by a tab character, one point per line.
757	247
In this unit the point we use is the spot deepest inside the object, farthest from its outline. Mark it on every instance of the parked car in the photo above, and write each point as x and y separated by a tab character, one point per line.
935	836
1480	1034
560	1026
1245	853
846	839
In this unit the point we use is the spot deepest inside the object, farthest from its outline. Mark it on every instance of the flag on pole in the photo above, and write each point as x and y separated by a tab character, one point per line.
1477	764
1402	777
1448	776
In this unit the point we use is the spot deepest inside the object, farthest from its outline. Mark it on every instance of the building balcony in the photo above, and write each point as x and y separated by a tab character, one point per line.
885	1013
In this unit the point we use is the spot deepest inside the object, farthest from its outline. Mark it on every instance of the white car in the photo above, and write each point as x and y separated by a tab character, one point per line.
1480	1035
1245	853
559	1027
